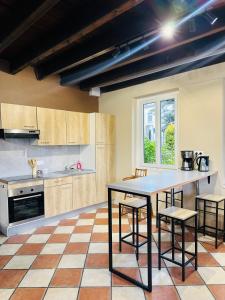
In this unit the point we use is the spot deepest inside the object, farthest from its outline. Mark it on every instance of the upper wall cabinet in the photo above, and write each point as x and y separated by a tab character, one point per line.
77	125
105	129
18	116
52	126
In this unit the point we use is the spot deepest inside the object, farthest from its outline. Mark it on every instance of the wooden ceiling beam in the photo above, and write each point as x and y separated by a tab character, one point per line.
145	66
23	25
49	49
75	75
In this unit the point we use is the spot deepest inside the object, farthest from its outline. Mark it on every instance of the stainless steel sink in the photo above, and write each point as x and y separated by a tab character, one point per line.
65	172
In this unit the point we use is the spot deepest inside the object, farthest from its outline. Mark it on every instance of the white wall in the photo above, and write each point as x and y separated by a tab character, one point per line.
200	116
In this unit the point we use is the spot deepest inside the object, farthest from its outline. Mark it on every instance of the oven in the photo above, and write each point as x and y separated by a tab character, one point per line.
26	203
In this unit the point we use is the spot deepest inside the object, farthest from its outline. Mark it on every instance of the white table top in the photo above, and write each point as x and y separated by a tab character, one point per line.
159	181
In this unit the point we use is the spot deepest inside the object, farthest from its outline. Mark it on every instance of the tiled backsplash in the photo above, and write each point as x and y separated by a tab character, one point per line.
15	153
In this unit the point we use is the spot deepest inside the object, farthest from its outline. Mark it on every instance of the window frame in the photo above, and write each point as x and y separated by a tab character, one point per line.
140	128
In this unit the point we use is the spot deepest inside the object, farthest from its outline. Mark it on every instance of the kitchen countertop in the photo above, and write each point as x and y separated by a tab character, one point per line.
57	174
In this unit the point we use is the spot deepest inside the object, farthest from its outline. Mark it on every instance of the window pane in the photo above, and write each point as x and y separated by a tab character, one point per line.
167	131
149	111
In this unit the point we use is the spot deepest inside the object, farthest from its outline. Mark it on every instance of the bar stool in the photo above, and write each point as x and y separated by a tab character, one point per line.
182	215
168	201
134	206
214	200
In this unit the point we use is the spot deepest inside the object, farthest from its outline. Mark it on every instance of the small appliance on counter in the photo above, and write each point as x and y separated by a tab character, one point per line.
187	160
202	162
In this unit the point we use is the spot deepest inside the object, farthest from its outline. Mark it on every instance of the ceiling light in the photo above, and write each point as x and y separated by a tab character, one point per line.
211	18
168	30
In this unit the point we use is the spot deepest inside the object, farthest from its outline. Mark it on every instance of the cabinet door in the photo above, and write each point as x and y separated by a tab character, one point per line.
100	128
110	163
73	128
101	173
110	129
45	118
58	199
84	129
18	116
59	127
84	190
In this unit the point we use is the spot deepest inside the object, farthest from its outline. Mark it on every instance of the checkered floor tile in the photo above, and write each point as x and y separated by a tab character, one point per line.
69	260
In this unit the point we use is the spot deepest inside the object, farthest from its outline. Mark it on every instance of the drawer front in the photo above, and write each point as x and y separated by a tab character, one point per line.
58	181
25	184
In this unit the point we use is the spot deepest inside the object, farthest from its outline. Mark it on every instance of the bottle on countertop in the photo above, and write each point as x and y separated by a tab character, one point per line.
79	165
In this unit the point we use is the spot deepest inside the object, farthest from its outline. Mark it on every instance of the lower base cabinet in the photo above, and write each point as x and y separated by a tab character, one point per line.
84	190
58	199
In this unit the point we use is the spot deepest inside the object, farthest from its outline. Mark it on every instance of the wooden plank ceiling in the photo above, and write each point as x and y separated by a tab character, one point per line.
109	44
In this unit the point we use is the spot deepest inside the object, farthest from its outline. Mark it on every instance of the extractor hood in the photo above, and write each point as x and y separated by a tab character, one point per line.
19	133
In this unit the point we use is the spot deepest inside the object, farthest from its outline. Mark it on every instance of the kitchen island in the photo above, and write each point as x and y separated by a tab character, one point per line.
146	187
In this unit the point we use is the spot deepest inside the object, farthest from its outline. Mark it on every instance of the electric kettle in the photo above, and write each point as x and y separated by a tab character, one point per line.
203	163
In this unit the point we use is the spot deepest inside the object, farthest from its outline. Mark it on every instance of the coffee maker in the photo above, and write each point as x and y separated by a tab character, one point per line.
187	160
202	162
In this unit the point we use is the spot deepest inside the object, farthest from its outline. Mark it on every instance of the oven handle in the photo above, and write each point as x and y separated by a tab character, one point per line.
28	197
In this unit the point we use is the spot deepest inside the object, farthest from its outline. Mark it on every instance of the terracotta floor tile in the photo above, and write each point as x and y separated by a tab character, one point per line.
211	247
11	278
218	291
96	293
99	237
125	228
18	239
102	210
4	259
192	276
46	261
28	249
25	294
162	293
125	248
68	222
132	272
83	229
45	229
66	278
97	261
206	260
59	238
76	248
143	260
87	216
101	221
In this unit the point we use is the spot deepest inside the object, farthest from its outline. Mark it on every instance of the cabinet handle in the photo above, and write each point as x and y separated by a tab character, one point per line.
28	126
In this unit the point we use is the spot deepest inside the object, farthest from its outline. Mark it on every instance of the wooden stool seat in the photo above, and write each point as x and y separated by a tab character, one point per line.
211	197
178	213
134	203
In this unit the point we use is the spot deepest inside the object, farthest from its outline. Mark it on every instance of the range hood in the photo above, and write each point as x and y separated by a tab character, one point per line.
19	133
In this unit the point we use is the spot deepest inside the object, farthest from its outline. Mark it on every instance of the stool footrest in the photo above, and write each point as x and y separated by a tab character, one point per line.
130	243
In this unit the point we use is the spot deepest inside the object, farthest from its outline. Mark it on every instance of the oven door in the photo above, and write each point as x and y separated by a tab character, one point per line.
26	207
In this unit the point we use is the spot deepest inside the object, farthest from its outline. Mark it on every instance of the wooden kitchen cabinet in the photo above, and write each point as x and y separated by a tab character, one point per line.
84	190
52	126
77	125
105	129
18	116
58	199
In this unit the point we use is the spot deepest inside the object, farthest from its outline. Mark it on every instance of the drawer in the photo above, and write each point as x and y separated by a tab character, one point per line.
25	184
58	181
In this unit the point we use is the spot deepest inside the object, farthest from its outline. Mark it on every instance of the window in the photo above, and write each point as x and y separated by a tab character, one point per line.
158	130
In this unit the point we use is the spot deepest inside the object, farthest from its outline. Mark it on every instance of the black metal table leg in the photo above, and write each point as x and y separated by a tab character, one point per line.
183	250
172	238
196	242
157	210
149	243
159	243
217	211
137	235
224	220
120	229
204	213
110	228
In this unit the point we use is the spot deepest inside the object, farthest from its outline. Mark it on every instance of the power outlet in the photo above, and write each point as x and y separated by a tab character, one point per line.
198	152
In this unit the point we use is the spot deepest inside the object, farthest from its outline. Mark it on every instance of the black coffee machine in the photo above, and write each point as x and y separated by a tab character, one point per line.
187	160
